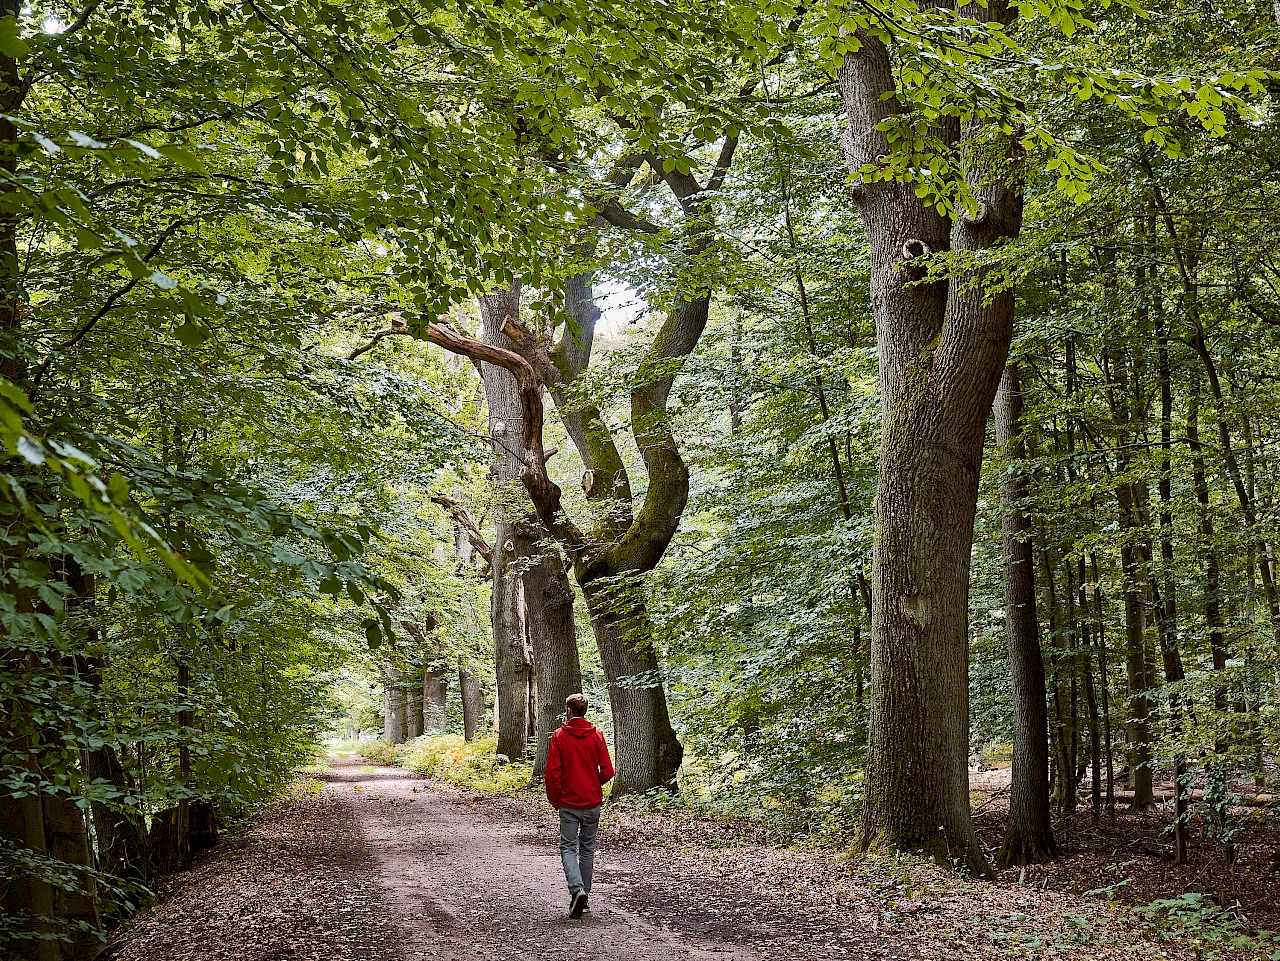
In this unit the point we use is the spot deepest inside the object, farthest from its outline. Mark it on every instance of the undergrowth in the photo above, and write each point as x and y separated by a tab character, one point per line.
471	764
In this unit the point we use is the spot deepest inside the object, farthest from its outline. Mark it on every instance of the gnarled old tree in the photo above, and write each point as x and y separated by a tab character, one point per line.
623	543
531	594
942	347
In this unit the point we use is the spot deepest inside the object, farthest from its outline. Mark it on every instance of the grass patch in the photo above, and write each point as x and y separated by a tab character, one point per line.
366	768
471	764
345	747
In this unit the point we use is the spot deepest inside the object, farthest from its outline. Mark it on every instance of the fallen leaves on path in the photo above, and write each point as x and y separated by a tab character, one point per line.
296	888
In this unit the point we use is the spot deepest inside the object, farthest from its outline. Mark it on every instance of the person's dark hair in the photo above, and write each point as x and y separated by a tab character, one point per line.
576	704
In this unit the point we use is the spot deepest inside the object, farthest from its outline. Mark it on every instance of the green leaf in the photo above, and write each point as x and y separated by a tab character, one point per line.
191	335
11	42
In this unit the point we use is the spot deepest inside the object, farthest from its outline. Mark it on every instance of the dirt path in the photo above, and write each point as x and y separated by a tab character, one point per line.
386	866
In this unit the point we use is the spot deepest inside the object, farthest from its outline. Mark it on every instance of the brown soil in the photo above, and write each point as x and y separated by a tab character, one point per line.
387	866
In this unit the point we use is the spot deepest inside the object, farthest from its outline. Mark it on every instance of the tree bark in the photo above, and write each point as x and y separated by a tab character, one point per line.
1138	674
393	726
555	646
624	635
67	837
1063	782
26	897
435	690
1104	679
1029	837
942	348
1167	608
413	712
472	695
121	832
512	664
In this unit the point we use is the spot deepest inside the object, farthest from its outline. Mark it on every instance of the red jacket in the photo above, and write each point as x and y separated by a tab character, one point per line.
577	765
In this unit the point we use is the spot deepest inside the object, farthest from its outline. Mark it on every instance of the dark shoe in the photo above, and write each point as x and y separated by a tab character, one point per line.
578	904
586	908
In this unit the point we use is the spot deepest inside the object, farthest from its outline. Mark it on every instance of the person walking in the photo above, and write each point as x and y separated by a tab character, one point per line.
578	765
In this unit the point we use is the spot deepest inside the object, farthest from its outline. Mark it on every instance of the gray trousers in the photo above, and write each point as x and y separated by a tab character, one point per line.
578	846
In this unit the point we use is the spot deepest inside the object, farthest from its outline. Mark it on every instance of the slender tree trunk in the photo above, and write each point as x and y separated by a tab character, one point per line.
1060	727
1029	837
1167	609
1138	673
1104	679
1095	736
472	695
1215	769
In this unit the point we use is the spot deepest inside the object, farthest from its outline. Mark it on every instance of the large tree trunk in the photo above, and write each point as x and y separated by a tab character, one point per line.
393	726
413	711
1029	837
512	670
435	691
942	347
511	661
67	837
648	752
555	646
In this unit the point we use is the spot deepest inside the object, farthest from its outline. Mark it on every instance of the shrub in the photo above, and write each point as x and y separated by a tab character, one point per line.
472	764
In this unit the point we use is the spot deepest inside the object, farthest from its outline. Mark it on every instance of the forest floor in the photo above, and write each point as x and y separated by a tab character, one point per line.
377	863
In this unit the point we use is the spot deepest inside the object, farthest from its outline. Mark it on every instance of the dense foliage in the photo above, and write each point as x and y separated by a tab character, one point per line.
219	533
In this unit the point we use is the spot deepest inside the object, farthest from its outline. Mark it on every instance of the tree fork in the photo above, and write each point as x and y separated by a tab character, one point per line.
942	348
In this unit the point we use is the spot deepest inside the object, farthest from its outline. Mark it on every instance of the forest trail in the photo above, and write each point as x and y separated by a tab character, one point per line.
383	865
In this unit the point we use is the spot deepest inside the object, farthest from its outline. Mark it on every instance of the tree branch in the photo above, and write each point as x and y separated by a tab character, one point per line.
543	491
469	527
398	326
616	215
107	306
83	18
